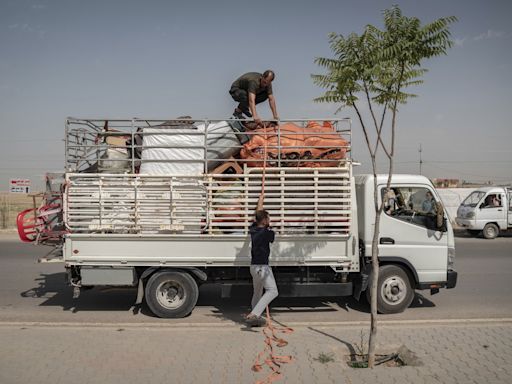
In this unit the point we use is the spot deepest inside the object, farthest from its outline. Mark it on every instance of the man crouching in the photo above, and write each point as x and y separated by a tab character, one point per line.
262	277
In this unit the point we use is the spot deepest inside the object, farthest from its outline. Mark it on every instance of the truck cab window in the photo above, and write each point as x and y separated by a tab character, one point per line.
415	205
492	200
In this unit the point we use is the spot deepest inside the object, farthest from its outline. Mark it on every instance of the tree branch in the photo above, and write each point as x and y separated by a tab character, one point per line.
372	153
378	128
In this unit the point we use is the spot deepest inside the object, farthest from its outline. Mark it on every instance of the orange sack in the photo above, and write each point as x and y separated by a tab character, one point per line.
311	146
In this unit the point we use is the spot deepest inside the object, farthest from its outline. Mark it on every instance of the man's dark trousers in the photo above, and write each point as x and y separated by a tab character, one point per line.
242	97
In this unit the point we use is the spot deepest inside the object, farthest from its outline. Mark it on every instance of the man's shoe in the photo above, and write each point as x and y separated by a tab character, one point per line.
247	113
255	321
238	114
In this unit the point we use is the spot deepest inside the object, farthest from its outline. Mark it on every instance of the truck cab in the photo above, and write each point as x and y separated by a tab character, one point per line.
487	210
416	241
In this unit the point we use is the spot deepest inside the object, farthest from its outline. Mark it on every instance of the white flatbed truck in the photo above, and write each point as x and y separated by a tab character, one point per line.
168	234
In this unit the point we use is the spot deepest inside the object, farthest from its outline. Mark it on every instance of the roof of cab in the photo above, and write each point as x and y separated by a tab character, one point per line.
396	178
490	189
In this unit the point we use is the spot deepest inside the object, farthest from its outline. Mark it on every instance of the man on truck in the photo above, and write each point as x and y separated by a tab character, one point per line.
262	277
250	89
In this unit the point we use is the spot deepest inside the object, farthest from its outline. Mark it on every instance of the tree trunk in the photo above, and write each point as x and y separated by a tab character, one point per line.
375	270
373	292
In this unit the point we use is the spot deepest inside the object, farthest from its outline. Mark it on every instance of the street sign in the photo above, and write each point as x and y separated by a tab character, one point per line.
19	186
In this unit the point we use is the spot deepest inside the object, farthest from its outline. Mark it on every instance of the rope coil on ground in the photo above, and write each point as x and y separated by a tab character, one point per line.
267	357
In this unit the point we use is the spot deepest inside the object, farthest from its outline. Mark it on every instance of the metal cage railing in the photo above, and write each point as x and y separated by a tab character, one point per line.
300	201
125	146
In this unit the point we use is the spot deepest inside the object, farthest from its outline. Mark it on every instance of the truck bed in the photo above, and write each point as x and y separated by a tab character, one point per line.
207	251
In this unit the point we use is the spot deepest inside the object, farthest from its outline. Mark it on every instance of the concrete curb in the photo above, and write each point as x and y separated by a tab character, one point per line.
229	325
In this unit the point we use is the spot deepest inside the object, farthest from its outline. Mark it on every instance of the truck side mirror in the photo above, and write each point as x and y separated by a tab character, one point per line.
444	227
440	218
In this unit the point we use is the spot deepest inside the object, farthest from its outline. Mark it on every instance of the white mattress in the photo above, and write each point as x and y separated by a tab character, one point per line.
172	161
222	144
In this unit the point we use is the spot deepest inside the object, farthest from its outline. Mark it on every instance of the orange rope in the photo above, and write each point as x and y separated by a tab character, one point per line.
267	356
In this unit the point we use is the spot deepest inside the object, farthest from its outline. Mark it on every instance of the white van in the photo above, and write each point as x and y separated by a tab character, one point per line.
487	210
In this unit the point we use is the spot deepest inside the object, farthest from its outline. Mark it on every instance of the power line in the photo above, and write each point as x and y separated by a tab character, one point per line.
455	161
471	161
30	140
29	168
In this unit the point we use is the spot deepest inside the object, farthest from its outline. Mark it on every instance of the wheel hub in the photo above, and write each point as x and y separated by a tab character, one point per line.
170	294
394	290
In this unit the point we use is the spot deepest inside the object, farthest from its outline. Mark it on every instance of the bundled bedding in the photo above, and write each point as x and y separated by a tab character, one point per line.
316	145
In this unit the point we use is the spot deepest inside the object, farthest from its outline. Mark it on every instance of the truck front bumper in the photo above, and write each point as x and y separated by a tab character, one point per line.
466	223
450	282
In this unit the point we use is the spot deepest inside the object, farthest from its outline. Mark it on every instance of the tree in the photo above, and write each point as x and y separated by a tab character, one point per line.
375	69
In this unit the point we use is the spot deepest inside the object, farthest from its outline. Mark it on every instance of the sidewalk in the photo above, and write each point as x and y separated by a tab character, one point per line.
451	353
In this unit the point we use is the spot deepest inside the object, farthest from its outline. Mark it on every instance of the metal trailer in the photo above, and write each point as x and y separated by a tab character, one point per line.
169	233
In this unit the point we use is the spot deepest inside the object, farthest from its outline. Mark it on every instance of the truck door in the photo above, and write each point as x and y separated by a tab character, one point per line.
407	231
493	209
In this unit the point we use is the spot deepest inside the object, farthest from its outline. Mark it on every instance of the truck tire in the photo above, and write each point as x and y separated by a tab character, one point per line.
394	290
171	294
491	231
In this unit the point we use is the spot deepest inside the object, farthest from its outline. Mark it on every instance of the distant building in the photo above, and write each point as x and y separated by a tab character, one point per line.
446	183
473	184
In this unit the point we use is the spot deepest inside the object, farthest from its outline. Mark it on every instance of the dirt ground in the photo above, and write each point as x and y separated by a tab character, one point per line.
11	204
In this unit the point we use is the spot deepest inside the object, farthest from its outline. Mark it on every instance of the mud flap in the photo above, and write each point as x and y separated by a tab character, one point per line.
140	293
361	282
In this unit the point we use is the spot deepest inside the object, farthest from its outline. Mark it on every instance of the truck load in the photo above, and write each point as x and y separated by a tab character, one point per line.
166	206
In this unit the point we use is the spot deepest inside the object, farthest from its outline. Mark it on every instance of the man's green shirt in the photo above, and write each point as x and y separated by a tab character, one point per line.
250	82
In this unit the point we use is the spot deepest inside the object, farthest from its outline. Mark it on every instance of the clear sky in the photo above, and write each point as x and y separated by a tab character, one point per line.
163	59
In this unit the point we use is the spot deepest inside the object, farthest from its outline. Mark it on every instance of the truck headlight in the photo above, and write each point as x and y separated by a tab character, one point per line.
470	215
451	258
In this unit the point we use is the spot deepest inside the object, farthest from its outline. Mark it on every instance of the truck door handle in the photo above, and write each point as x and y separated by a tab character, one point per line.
386	240
500	210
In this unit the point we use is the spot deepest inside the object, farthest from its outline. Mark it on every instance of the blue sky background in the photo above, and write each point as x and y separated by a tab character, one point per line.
162	59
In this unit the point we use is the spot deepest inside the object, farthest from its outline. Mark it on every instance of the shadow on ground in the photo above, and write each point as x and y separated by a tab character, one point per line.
464	234
54	289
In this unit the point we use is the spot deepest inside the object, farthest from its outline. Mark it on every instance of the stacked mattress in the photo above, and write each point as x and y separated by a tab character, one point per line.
180	149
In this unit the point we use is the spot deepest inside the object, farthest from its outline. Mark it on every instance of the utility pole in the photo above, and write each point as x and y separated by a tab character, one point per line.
421	161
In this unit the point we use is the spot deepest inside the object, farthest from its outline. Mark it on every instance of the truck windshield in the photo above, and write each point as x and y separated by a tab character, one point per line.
473	199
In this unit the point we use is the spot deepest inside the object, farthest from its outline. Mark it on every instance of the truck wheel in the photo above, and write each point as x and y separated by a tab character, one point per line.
394	291
490	231
171	294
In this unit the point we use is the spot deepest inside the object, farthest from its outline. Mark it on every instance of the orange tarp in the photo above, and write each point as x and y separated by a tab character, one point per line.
300	147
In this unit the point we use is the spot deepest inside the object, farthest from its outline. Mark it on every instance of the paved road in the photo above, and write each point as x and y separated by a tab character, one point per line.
32	292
